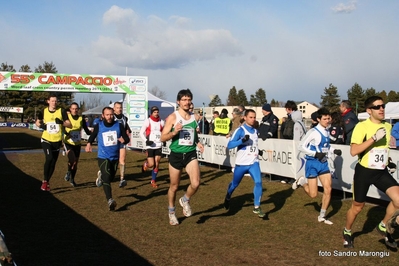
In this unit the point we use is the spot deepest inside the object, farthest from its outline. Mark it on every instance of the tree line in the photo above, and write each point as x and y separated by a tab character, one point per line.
330	99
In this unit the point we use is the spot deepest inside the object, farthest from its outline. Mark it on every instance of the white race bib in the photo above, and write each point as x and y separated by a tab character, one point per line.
378	158
110	138
155	136
53	128
186	136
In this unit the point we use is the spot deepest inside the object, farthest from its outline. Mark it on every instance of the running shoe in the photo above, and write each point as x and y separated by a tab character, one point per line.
122	183
111	204
389	240
154	184
226	203
67	177
392	222
186	207
298	182
99	181
45	186
72	182
323	219
348	241
259	212
172	219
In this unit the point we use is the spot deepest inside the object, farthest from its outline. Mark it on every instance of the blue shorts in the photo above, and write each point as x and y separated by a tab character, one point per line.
314	168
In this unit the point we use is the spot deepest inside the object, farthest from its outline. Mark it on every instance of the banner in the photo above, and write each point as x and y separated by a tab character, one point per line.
134	88
18	110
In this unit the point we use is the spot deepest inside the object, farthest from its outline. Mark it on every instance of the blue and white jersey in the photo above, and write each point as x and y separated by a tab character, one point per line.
247	152
316	140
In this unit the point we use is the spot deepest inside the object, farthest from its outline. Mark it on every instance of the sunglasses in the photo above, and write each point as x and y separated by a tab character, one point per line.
377	107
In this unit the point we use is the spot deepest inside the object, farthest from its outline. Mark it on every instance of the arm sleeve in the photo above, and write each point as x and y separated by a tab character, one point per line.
85	128
305	143
123	134
235	140
93	134
143	129
64	115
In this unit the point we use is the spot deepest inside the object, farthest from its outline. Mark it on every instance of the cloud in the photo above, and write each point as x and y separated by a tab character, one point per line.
345	8
154	43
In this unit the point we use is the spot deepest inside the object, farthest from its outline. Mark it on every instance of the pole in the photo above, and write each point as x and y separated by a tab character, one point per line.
203	118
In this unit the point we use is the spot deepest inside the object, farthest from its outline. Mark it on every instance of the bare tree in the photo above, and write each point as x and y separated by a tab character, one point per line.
158	92
92	100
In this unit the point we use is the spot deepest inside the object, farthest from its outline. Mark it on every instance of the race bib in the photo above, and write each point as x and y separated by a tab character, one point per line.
110	138
378	158
186	136
53	128
75	136
155	136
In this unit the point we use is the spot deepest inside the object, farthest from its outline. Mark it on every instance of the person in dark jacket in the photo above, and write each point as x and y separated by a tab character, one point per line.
336	129
268	127
349	118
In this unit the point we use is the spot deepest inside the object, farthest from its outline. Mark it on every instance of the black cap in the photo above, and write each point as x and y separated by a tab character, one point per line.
154	108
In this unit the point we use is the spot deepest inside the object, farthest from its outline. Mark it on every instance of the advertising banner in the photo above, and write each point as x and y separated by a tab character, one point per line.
134	88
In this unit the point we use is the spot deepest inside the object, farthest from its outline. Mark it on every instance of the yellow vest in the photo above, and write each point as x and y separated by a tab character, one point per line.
53	133
74	136
221	126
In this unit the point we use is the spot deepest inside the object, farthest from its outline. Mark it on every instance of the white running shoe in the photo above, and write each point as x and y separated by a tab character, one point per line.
186	207
172	219
298	182
99	181
323	219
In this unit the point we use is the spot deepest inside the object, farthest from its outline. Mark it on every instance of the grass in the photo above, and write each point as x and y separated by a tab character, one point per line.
72	226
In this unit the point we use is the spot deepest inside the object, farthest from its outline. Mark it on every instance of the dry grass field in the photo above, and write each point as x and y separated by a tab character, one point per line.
73	226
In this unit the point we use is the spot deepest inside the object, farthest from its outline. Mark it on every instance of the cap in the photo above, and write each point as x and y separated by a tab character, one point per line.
266	107
224	111
154	108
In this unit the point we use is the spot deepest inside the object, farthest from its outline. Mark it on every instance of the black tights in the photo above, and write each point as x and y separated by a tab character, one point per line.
108	171
51	152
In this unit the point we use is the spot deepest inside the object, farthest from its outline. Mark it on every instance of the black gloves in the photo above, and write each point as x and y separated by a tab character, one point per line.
149	142
43	126
320	156
58	121
245	138
338	152
260	153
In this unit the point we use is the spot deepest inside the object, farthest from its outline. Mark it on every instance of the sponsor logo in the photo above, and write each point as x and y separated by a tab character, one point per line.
137	81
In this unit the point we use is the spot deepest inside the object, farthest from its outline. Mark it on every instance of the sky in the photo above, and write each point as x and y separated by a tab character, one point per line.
292	49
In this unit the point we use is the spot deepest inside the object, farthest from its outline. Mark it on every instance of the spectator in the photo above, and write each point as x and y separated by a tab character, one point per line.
299	126
203	123
336	129
211	124
282	126
313	116
268	127
236	121
349	118
222	124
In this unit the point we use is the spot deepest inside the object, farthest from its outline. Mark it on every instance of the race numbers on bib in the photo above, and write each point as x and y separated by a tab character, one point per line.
186	136
155	136
53	128
75	136
110	138
378	158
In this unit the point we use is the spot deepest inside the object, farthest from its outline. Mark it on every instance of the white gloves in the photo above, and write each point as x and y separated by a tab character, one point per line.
379	134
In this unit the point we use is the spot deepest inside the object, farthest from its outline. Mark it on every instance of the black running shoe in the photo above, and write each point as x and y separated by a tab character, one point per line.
389	240
226	203
348	241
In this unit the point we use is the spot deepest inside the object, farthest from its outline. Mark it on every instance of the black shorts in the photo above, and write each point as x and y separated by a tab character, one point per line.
151	153
180	160
75	148
365	177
